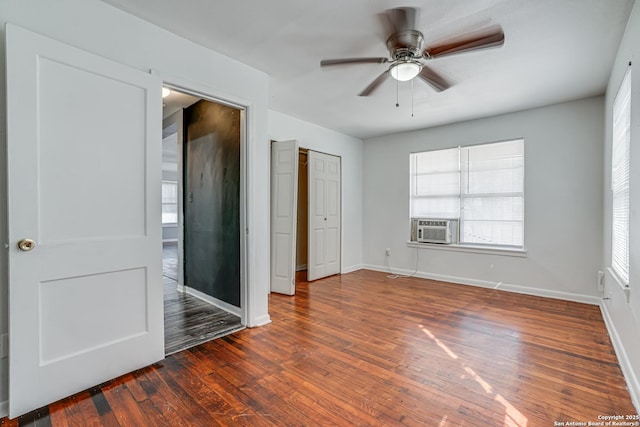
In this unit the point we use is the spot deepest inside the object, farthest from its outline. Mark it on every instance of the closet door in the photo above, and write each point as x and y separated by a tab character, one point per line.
324	215
284	204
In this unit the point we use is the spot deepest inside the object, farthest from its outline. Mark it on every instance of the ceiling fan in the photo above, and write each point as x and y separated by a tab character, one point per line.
408	54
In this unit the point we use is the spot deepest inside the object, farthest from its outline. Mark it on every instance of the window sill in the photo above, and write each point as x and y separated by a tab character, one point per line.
625	288
521	253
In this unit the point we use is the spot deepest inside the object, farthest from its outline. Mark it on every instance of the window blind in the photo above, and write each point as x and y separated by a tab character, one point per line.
620	163
481	185
169	202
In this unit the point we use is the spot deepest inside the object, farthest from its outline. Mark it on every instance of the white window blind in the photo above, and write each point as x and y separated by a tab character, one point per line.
620	160
482	185
169	202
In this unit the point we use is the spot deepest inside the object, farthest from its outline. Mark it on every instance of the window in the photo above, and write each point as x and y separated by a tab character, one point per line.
169	202
620	157
481	185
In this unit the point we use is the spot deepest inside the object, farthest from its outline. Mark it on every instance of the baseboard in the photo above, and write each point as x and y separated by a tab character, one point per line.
261	321
4	409
633	383
301	267
546	293
351	269
214	301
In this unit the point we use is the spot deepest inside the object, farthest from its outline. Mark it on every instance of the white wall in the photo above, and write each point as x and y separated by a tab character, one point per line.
563	202
99	28
313	137
622	316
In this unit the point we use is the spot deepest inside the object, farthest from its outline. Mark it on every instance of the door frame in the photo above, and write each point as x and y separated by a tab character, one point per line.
210	94
180	223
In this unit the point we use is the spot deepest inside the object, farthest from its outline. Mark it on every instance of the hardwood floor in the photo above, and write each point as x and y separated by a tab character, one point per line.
188	320
362	349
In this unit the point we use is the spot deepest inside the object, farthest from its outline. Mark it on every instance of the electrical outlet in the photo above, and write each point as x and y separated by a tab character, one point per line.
600	280
387	251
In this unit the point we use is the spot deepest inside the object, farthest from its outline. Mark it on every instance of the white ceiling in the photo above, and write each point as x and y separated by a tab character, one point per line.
554	51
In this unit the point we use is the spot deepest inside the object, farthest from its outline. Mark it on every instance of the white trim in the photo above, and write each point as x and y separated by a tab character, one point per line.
526	290
213	301
351	269
261	321
633	383
247	130
616	278
522	253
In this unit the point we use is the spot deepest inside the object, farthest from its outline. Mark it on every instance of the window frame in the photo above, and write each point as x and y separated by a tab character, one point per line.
463	195
175	184
621	272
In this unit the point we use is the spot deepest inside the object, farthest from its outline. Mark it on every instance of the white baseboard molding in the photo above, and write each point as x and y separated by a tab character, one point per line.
547	293
351	269
261	321
301	267
4	409
213	301
633	383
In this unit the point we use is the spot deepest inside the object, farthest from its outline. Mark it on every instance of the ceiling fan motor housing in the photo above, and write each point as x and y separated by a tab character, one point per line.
406	45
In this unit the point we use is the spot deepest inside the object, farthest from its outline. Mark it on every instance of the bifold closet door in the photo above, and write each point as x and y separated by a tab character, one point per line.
324	215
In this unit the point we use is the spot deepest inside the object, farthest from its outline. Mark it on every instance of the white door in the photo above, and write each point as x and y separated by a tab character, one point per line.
324	215
284	205
84	159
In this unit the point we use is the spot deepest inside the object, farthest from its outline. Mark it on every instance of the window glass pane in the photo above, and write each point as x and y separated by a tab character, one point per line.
169	202
439	183
493	168
435	207
169	213
620	164
493	208
501	233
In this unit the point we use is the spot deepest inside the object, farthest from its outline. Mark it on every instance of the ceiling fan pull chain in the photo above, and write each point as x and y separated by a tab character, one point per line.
397	90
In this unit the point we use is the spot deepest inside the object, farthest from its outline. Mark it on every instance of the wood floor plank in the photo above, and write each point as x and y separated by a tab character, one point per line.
363	349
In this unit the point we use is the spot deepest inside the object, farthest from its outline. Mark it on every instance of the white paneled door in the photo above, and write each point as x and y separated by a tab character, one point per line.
324	215
284	205
84	174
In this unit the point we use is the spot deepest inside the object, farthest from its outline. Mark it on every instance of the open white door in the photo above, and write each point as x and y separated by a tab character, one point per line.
284	205
324	215
84	159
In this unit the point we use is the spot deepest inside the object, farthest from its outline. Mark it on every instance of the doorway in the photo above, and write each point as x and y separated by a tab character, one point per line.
305	215
201	201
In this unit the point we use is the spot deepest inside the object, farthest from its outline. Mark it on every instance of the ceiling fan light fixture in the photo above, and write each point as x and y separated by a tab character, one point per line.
405	70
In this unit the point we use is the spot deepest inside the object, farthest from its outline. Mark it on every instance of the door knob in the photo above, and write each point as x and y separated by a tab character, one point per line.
26	245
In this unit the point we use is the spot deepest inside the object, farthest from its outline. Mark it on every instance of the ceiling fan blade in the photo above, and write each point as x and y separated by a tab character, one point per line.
403	18
328	62
374	84
483	39
433	79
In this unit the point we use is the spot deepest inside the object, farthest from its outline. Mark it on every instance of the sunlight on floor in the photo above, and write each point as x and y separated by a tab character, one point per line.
512	418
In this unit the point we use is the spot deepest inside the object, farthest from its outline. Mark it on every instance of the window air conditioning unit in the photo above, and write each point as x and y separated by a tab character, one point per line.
434	230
